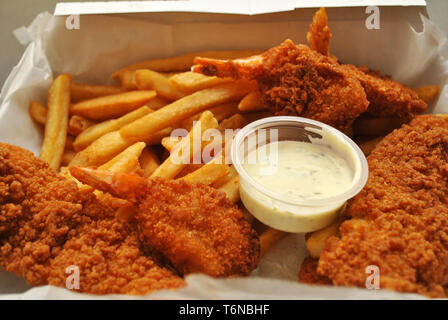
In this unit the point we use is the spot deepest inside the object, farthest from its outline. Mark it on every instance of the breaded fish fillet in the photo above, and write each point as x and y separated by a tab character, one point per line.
400	219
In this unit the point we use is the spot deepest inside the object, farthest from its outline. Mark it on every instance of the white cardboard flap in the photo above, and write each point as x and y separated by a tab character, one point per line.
247	7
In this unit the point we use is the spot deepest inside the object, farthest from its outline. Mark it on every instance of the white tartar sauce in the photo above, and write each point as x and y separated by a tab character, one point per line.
299	170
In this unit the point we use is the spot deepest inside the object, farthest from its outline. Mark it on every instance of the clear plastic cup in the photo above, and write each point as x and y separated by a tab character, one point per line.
278	210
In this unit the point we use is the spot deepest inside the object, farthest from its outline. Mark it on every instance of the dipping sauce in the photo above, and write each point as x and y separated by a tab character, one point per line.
296	174
299	170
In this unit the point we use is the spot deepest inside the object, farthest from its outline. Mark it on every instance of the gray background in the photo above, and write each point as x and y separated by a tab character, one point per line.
14	14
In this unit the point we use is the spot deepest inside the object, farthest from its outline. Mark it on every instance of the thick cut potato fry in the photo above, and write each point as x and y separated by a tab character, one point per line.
57	121
208	173
184	62
368	146
67	157
184	108
178	159
367	126
127	80
149	161
157	103
428	93
126	161
108	146
222	181
316	240
38	112
236	121
251	102
170	142
151	80
220	112
268	238
189	168
107	107
95	132
232	189
80	92
189	82
78	124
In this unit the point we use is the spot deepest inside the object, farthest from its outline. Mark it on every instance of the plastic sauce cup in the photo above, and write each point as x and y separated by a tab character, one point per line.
278	210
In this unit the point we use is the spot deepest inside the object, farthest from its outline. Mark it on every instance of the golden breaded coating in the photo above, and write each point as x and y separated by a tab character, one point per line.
197	229
295	80
387	98
319	33
110	260
308	273
400	219
47	225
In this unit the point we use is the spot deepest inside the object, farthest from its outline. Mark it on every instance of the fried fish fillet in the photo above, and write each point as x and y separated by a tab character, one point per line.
399	221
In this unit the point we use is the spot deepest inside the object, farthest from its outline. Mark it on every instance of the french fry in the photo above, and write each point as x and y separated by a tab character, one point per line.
151	80
236	121
78	124
57	121
365	126
126	161
428	93
149	162
38	112
189	82
80	92
184	62
368	146
184	108
127	80
251	102
85	138
189	168
222	181
268	238
316	240
67	157
172	166
231	189
107	107
109	145
157	103
220	112
170	142
208	173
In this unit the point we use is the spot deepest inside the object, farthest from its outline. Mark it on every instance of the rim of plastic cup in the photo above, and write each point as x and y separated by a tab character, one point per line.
358	182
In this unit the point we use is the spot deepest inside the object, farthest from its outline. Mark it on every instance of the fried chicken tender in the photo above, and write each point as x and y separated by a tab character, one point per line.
319	33
400	219
47	225
296	80
195	227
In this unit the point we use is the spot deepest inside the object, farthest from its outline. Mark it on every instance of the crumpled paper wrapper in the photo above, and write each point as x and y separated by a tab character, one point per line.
105	43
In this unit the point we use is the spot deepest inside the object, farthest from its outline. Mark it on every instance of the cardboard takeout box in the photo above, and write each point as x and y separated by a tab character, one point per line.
108	36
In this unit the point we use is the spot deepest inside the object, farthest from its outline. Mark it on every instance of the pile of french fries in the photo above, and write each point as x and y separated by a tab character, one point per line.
127	127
